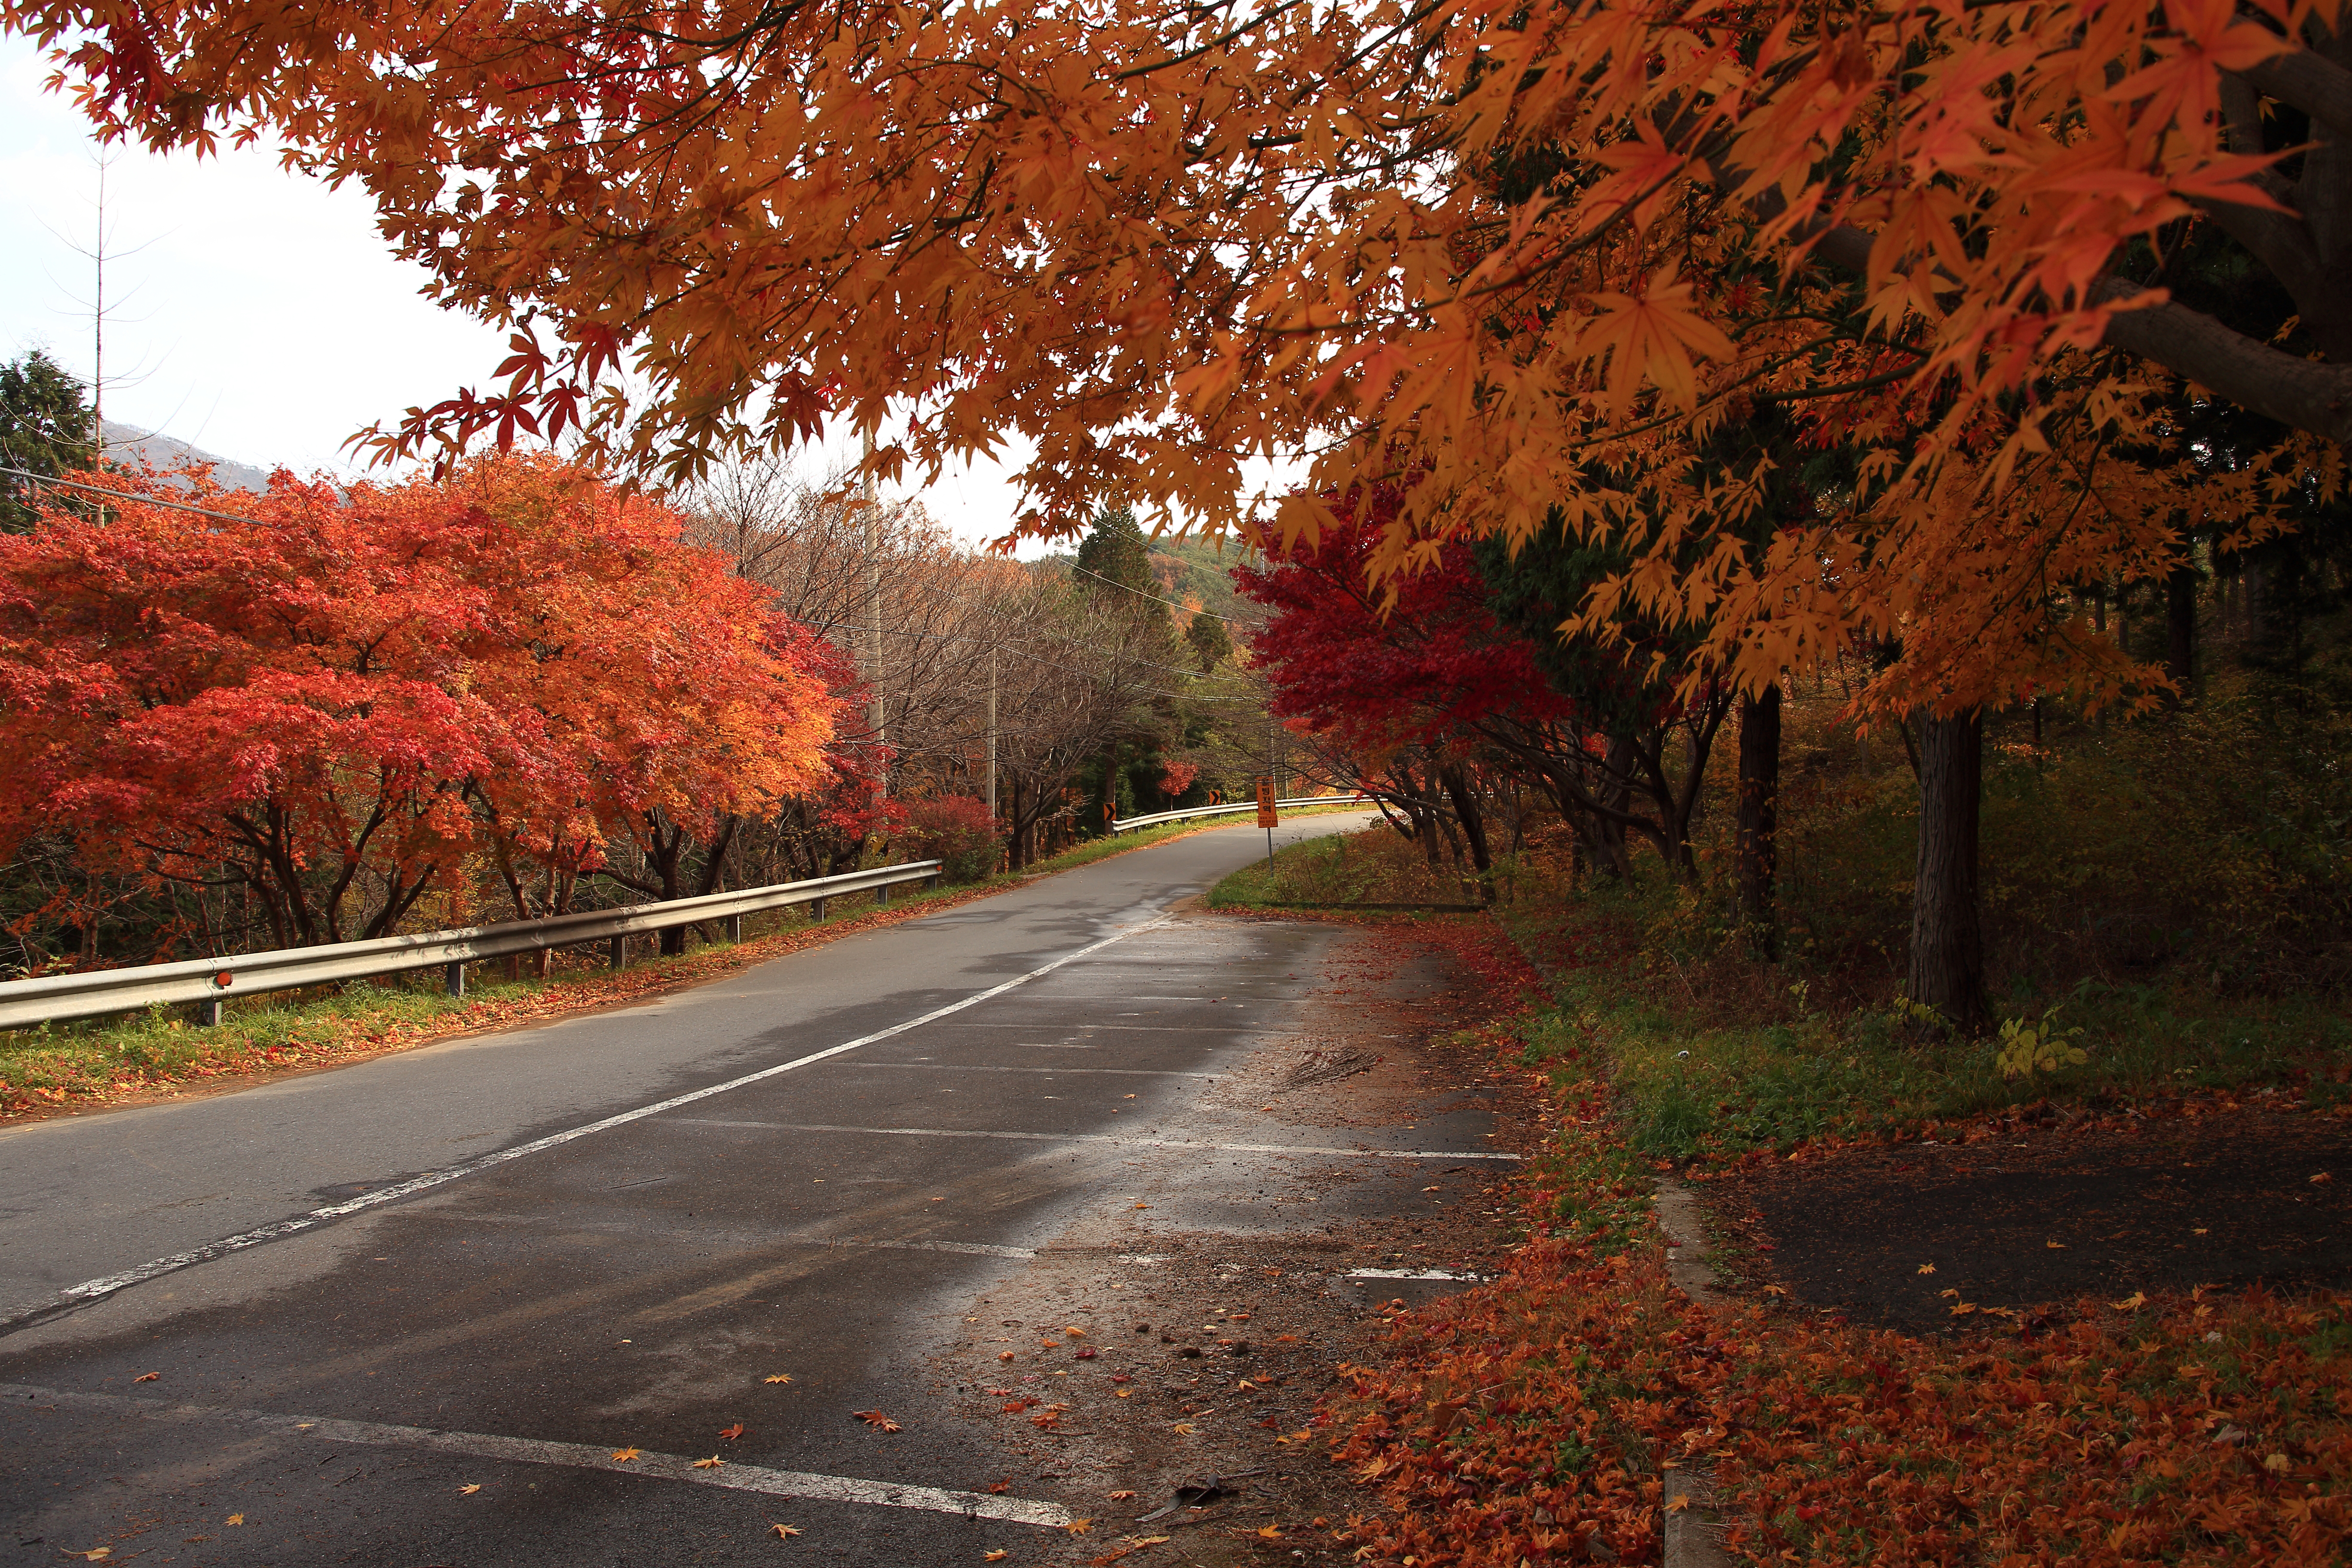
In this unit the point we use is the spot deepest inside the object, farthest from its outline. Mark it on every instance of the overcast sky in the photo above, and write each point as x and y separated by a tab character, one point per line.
251	312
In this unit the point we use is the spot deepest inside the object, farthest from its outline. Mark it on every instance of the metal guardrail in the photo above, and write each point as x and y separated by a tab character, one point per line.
207	982
1127	823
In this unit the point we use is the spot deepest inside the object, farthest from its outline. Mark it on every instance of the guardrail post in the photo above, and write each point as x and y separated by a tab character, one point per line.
620	952
734	928
882	894
456	976
208	1012
816	909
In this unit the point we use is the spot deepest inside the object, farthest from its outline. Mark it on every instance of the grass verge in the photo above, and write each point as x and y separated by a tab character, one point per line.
113	1060
1736	1061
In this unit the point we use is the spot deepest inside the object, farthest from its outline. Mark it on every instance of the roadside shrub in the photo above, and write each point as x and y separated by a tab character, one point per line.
956	831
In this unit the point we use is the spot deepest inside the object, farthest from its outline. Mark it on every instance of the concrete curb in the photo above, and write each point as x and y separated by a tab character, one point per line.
1694	1519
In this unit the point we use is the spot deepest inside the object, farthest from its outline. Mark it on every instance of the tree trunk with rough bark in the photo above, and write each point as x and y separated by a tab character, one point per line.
1758	819
1947	940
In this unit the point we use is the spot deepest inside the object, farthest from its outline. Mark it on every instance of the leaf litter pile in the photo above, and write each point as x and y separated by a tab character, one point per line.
1554	1414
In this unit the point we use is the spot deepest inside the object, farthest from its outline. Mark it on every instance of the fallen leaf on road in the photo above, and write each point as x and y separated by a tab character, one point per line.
1270	1532
2055	1246
2132	1302
1122	1392
1018	1405
1927	1268
780	1377
1079	1526
876	1419
1000	1485
234	1519
784	1532
624	1455
469	1488
1775	1290
995	1557
2322	1176
1086	1353
1301	1435
146	1377
1005	1355
731	1433
711	1463
1143	1205
93	1554
1075	1333
1185	1427
1429	1189
1681	1501
1120	1497
1285	1339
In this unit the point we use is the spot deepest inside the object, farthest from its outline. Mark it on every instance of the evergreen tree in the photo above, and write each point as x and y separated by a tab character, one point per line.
45	428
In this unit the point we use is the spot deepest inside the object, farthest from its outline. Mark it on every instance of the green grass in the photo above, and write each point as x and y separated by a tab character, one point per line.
87	1059
1696	1080
1373	867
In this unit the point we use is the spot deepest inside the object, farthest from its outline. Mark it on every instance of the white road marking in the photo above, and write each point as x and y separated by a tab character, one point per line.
574	1455
1103	1137
92	1290
963	1066
978	1248
1412	1273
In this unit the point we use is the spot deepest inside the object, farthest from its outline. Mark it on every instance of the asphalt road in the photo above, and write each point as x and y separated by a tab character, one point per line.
448	1376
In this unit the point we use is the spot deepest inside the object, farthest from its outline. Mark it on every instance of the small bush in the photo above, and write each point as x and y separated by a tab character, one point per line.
956	831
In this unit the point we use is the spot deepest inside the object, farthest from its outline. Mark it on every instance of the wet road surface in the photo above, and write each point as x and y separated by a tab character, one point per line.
811	1169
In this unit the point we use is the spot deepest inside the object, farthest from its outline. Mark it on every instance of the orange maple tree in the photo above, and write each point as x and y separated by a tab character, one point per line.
335	698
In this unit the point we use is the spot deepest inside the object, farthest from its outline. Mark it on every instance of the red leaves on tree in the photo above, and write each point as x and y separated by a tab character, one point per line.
337	697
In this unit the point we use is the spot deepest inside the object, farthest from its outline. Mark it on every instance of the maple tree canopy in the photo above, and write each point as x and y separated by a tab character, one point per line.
1475	244
341	699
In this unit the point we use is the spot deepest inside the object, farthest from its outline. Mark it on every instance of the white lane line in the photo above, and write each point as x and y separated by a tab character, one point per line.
977	1248
574	1456
91	1289
1104	1137
961	1067
1412	1273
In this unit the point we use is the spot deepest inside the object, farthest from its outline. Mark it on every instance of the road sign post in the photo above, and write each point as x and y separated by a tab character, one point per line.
1268	815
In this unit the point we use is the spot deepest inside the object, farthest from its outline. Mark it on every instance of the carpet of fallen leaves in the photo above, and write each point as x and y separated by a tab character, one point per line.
1541	1417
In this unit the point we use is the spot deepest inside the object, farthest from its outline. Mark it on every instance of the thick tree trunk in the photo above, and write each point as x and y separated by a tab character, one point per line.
2180	626
1947	941
1758	819
1474	823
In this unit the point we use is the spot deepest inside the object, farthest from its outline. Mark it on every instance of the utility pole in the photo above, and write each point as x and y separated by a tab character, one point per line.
992	732
98	322
874	613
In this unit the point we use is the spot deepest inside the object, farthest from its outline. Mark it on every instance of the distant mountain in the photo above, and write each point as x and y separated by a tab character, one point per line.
129	443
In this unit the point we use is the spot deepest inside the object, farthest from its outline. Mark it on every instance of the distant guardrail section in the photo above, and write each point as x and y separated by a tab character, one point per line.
1128	824
207	983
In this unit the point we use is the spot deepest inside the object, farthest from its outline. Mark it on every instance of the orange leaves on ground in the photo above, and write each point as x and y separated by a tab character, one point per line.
876	1419
784	1531
731	1433
2200	1431
624	1455
712	1463
777	1377
147	1377
999	1555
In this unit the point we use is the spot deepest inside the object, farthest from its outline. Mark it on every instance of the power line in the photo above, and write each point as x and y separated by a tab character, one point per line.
139	496
1229	620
